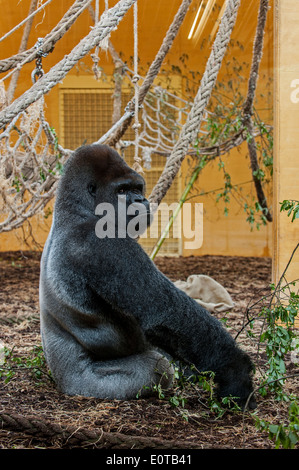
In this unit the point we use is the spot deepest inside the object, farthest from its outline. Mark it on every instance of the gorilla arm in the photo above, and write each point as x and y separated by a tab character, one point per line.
91	349
86	281
122	274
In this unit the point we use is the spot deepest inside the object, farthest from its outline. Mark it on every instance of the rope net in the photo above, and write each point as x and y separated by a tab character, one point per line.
31	159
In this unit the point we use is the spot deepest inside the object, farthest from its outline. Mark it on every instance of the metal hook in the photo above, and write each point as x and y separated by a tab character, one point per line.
37	73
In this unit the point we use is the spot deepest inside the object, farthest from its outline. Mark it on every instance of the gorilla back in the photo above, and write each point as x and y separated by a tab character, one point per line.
107	312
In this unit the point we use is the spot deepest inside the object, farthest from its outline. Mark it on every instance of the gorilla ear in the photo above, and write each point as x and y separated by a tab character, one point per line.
92	189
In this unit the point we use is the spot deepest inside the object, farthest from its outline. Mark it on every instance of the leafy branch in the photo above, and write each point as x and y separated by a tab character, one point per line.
292	207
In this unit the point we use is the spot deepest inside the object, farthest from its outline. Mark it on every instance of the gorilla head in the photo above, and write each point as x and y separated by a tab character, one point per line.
108	316
110	188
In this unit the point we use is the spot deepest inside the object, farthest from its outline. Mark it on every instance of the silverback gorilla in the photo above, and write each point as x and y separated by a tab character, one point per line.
107	312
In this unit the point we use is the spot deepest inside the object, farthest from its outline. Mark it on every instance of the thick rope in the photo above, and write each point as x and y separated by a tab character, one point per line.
151	74
73	436
192	125
95	56
248	105
22	48
50	39
217	150
32	169
107	23
136	166
29	17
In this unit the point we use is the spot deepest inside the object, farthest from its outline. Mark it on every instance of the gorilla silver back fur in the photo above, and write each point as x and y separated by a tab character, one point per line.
107	312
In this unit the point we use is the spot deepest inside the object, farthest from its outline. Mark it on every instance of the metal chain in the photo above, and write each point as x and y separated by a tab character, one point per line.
38	71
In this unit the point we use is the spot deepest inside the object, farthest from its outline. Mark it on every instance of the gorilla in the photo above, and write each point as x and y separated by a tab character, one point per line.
111	322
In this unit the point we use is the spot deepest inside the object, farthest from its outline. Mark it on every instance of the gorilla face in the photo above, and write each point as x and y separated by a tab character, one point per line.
111	190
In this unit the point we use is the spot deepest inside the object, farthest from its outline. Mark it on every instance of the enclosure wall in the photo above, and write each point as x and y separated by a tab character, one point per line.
286	144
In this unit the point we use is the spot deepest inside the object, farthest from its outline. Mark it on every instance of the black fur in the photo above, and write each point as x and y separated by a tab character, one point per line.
106	310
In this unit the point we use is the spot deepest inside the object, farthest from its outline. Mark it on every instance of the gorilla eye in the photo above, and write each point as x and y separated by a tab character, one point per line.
121	191
92	189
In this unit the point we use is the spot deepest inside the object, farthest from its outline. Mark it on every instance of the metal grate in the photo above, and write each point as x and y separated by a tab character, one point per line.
85	115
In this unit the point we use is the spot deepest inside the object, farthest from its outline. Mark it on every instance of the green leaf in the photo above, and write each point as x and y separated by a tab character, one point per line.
273	428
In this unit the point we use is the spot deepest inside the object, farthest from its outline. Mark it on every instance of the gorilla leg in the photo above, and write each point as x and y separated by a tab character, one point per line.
76	372
120	379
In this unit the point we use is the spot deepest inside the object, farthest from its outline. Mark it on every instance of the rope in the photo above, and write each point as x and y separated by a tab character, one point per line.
73	436
28	167
201	100
106	24
105	42
136	166
152	71
217	150
22	48
95	56
24	21
248	106
50	40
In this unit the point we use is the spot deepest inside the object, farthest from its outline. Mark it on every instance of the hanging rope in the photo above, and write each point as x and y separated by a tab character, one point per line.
29	166
50	39
151	74
29	17
167	142
136	166
106	24
95	56
104	43
201	100
248	106
22	48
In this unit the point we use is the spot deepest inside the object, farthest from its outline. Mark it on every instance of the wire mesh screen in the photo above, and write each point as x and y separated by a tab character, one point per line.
86	114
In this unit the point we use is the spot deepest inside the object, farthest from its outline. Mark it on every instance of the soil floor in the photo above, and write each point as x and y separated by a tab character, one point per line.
33	414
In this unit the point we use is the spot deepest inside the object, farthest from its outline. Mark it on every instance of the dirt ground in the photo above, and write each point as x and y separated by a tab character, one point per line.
34	414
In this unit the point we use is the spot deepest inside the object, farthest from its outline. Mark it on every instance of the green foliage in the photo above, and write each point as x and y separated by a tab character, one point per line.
16	184
283	435
224	120
279	339
292	208
202	383
58	165
199	383
34	362
206	381
47	212
256	215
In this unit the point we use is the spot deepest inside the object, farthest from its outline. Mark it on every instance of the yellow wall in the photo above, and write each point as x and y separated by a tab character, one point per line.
229	234
286	161
222	235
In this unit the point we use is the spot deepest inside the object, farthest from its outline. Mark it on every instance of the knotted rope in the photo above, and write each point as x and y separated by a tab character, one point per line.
73	436
29	17
106	24
191	127
248	105
136	166
18	60
120	127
